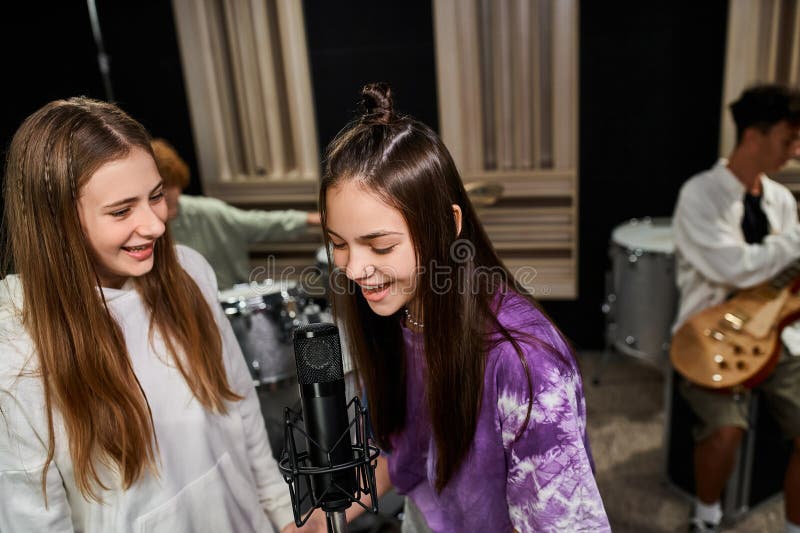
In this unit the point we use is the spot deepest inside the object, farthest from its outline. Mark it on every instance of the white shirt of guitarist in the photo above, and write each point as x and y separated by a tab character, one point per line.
713	259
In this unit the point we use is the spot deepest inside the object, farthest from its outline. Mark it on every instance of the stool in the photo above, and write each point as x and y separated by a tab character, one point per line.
760	463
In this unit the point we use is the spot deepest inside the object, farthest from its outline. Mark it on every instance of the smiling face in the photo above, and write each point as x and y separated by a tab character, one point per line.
372	245
122	213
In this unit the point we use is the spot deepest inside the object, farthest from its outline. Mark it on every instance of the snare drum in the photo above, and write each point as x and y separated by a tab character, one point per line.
263	316
642	297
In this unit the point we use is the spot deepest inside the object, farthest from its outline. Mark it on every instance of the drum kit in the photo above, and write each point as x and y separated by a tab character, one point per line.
641	296
263	316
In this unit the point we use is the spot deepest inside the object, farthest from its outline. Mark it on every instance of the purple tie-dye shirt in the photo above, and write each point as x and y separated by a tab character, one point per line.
542	481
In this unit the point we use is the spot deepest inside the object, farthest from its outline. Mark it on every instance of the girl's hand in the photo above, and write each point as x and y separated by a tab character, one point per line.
315	524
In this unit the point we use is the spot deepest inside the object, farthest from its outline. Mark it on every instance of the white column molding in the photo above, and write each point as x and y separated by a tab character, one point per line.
508	94
247	77
757	52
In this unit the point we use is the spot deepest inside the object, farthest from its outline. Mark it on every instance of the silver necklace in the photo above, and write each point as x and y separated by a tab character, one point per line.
411	321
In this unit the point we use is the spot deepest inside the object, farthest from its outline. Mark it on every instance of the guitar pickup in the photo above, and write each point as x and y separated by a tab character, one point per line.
714	334
734	321
728	326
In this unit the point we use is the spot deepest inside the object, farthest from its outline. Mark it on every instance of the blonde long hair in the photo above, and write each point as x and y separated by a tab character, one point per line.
82	358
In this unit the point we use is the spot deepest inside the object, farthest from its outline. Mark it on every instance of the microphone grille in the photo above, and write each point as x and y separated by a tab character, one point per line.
318	353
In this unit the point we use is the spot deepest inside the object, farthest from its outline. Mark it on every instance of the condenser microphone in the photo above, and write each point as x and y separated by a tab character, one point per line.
320	374
335	470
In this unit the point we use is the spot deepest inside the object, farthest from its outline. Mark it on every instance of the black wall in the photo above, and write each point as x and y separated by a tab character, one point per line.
146	71
650	89
49	53
650	97
354	43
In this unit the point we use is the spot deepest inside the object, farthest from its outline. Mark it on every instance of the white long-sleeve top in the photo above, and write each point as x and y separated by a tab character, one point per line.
713	258
215	473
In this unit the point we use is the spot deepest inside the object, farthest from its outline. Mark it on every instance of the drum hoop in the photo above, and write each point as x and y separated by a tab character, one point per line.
630	250
659	224
253	294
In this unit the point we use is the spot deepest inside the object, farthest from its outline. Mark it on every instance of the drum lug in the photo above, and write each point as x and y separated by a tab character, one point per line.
634	255
255	369
608	305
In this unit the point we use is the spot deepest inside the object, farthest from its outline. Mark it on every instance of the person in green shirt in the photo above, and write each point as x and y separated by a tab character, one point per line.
220	232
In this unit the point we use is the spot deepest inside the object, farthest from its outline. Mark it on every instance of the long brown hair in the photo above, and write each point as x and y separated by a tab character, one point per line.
82	358
407	166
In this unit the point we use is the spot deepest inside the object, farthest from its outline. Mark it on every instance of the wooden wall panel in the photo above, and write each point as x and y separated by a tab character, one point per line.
521	80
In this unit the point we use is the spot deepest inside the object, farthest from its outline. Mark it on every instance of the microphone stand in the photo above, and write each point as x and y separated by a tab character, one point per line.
337	523
296	466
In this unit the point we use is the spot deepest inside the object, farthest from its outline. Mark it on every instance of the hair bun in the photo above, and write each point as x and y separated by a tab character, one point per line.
378	104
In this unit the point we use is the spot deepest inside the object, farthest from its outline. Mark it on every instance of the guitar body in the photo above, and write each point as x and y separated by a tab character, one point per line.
737	343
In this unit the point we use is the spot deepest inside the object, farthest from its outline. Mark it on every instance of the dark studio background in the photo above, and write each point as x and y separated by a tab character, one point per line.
650	89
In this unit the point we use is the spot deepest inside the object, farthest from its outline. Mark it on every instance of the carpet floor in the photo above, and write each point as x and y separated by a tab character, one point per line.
625	422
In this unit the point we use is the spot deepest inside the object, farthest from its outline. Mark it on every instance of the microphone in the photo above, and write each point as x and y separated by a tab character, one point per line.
336	469
320	373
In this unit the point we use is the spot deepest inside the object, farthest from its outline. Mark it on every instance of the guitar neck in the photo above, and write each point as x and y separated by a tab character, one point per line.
786	276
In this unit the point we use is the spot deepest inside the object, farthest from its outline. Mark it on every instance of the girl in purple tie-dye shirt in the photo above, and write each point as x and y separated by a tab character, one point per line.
473	393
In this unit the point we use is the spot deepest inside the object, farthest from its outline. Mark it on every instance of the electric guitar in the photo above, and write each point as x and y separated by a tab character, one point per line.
737	343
